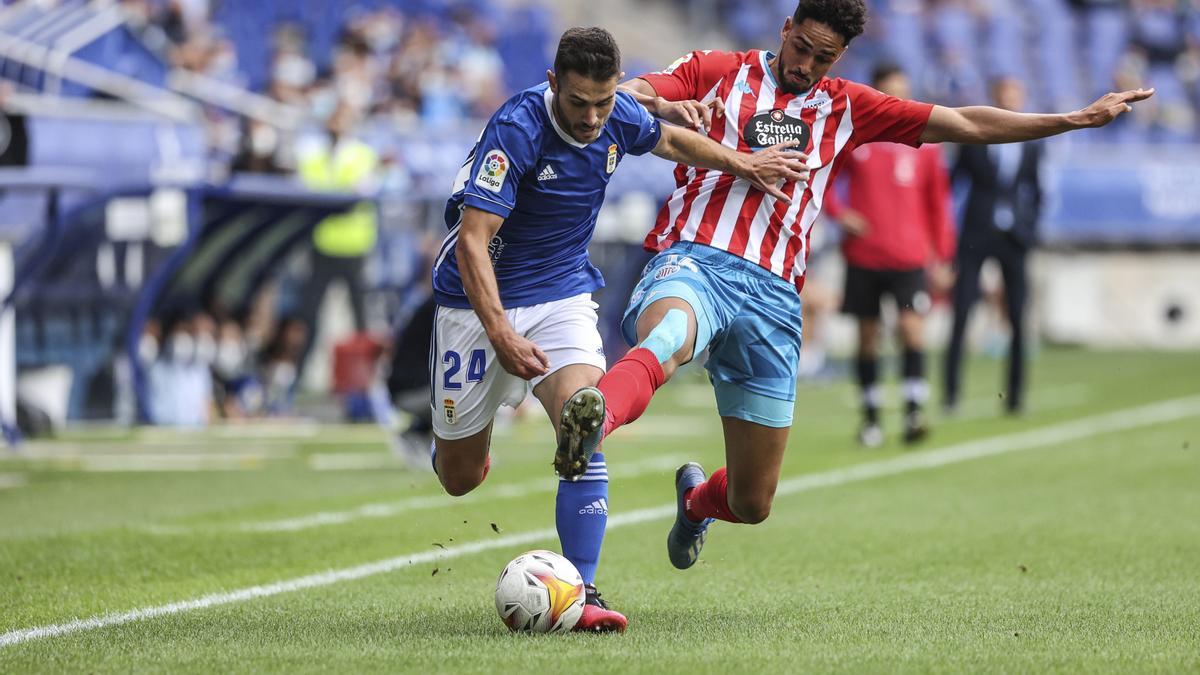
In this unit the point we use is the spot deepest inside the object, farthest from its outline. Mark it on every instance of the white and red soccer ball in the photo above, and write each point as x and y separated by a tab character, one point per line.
541	592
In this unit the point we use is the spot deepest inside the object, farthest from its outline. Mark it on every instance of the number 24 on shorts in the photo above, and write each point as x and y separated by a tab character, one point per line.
453	361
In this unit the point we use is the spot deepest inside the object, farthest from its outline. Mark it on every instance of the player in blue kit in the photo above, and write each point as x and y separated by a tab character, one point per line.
513	282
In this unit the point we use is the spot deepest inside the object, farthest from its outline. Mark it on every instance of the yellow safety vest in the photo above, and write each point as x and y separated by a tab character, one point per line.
342	168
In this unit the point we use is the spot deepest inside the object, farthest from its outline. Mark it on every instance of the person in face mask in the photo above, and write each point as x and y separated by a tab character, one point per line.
259	151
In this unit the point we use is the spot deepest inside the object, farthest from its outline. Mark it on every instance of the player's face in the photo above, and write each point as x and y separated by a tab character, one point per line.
808	51
583	104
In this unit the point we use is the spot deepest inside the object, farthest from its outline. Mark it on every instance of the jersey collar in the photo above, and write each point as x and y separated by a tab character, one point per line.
766	56
549	96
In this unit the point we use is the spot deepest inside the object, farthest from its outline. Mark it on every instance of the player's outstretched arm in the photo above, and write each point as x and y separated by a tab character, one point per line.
518	355
764	169
985	125
689	113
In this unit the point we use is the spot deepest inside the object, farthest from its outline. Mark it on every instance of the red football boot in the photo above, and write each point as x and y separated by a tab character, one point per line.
597	617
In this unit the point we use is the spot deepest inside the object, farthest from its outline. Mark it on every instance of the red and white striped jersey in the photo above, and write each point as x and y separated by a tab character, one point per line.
831	119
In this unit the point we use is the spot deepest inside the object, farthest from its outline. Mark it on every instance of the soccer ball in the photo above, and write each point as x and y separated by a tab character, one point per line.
540	591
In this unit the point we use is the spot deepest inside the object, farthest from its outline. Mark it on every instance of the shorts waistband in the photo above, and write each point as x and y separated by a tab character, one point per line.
720	258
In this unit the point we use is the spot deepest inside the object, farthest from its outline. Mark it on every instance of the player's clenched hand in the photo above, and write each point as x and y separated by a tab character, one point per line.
690	114
1108	107
782	162
519	356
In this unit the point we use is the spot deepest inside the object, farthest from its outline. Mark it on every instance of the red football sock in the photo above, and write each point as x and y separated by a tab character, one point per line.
628	387
710	499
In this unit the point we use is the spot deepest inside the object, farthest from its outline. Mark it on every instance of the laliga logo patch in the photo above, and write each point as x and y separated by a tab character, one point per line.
770	128
493	170
448	409
612	159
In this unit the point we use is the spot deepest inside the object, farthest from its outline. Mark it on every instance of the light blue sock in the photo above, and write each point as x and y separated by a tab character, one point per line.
581	514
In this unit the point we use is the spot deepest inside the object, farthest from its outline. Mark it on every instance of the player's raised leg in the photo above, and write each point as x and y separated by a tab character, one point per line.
666	339
743	490
752	364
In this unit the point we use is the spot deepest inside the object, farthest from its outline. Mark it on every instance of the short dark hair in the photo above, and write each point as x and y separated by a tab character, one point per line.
883	70
846	17
591	52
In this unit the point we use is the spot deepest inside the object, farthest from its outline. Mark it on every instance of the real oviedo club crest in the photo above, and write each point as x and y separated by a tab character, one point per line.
770	128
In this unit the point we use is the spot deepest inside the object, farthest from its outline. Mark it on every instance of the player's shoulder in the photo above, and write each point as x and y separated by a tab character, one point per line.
524	112
627	110
838	86
707	59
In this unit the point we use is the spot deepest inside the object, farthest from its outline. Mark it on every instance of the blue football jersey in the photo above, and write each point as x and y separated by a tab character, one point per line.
548	187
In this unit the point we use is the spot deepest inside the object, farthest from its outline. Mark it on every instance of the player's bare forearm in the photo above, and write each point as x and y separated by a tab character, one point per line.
764	169
985	124
515	353
685	113
475	265
700	151
642	92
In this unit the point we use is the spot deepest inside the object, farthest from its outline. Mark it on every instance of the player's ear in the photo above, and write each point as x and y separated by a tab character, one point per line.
553	82
787	28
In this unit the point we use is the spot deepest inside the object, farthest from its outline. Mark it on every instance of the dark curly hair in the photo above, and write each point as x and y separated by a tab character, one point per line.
846	17
591	52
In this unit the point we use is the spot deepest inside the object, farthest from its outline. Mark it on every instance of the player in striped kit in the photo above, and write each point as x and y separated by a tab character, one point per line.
732	258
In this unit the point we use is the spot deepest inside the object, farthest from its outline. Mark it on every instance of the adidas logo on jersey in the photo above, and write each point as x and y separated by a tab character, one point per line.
598	507
547	173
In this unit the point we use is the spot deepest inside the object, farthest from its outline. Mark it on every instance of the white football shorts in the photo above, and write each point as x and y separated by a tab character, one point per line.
469	385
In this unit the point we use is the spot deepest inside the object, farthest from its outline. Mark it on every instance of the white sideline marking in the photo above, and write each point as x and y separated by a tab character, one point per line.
389	509
353	461
1046	398
74	452
12	480
151	463
1120	420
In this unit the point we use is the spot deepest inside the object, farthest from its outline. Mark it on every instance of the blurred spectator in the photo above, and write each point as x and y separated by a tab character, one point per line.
896	217
1158	57
262	149
999	221
341	243
179	376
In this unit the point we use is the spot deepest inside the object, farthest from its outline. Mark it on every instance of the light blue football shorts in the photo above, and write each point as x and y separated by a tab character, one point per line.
747	317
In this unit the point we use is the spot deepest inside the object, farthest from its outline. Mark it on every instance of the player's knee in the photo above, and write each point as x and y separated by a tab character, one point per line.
752	509
459	483
668	336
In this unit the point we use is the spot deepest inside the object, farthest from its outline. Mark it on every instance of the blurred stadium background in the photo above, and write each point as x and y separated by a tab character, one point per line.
156	214
164	173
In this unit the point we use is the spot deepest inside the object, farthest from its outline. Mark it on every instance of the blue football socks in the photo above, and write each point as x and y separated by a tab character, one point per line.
581	513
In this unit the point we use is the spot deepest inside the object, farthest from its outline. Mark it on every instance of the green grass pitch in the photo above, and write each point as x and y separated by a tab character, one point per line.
1067	540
